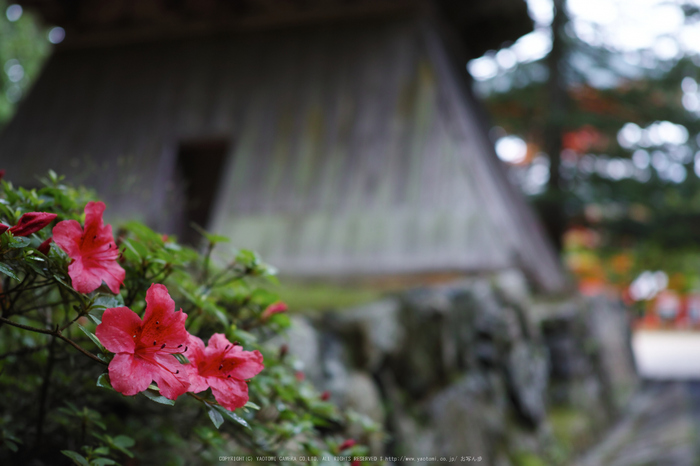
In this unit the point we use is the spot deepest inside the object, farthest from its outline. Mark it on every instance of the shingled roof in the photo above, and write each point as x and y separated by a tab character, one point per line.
351	148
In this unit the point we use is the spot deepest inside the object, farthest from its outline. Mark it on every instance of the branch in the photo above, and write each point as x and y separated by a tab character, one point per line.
57	334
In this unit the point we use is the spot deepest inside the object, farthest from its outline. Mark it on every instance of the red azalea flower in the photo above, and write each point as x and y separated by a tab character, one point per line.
326	395
355	463
45	246
144	349
2	174
32	222
93	251
273	309
224	367
349	443
3	228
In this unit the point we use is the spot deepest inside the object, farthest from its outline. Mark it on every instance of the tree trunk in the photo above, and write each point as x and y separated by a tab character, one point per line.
552	206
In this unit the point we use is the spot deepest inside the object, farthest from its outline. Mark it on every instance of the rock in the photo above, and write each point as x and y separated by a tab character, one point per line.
336	365
375	330
362	395
609	324
512	283
528	373
304	346
468	416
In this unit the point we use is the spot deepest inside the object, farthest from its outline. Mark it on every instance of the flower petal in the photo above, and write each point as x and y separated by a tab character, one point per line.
161	324
94	222
172	377
130	375
84	279
67	234
117	330
230	393
196	357
218	342
112	274
242	364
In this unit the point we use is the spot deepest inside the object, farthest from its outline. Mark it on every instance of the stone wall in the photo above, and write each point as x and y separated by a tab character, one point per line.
477	368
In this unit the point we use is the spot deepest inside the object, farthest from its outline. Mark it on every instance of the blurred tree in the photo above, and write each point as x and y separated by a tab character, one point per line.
610	137
23	48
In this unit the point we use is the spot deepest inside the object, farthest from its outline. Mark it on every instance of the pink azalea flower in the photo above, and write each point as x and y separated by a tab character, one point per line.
224	367
144	349
93	251
273	309
29	223
32	222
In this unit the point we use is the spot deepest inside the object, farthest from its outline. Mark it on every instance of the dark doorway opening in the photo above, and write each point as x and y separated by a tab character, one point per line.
199	165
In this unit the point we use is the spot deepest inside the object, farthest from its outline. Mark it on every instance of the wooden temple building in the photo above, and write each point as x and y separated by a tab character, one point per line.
335	137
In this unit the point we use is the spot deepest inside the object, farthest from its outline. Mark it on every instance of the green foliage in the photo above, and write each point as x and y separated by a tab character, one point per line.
49	353
301	297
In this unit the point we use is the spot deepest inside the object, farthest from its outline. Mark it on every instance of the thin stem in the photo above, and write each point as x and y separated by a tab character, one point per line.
207	256
27	327
19	287
44	393
82	350
57	334
196	397
39	307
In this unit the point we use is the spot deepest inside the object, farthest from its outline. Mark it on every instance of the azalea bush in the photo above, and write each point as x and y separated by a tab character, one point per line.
103	357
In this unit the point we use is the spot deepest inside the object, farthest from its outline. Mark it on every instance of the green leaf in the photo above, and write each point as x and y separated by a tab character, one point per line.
94	318
247	258
35	267
76	457
11	445
182	358
134	251
216	418
252	405
218	312
213	239
55	252
19	242
4	268
92	337
158	398
144	233
282	320
231	416
107	301
104	382
122	443
102	462
60	280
